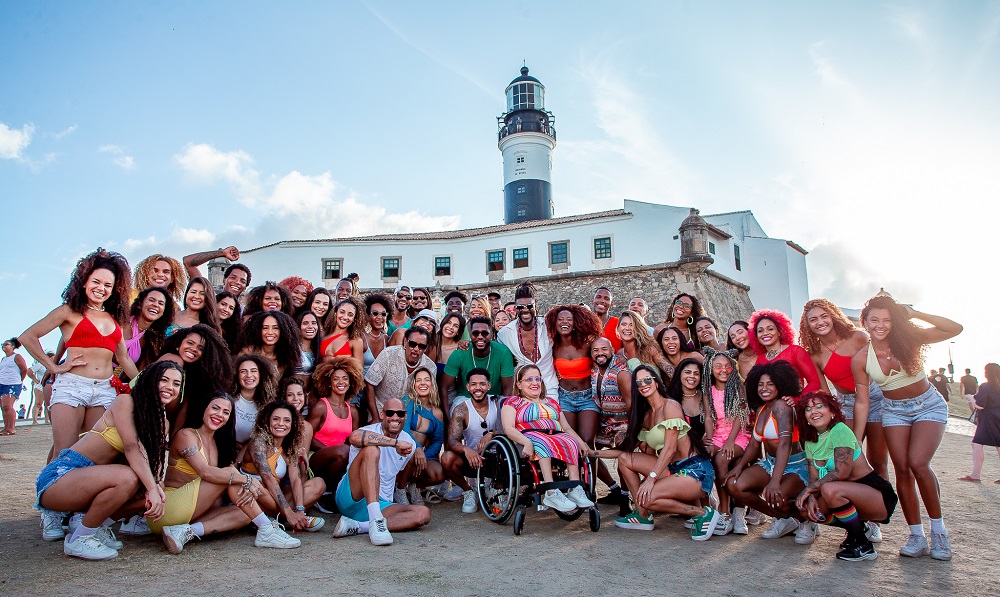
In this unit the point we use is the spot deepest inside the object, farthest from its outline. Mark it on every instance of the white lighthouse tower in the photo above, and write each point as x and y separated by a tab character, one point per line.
526	139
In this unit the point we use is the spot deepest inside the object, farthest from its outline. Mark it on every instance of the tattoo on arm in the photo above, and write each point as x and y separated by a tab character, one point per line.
456	430
842	458
188	451
364	434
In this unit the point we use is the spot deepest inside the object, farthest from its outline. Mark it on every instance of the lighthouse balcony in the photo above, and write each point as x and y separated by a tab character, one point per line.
512	128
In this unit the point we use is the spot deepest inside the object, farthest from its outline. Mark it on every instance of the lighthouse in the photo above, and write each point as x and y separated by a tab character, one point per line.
526	139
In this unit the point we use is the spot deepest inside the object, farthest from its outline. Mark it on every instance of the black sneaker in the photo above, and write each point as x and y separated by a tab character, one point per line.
858	552
613	498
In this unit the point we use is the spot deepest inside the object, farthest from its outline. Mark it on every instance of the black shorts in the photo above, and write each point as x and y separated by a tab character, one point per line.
467	469
889	498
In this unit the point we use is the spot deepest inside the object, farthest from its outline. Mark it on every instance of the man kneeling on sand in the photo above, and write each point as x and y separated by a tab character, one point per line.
364	496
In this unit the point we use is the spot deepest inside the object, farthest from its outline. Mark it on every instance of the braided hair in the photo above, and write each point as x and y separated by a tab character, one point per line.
734	392
149	417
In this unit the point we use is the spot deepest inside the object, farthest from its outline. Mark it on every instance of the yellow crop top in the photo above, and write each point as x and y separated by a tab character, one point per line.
110	435
895	379
181	464
655	437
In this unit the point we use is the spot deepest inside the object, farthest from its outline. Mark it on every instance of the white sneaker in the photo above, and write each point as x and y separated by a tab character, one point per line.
689	524
940	546
780	527
135	526
807	533
315	523
378	532
873	532
755	517
469	503
915	547
51	525
399	497
104	534
273	535
556	499
346	527
176	536
579	497
74	522
88	548
725	525
414	493
740	521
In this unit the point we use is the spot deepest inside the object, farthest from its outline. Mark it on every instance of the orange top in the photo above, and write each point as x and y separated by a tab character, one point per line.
573	368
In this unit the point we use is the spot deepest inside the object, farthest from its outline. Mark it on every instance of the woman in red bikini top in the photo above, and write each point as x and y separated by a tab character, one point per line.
95	306
343	330
572	329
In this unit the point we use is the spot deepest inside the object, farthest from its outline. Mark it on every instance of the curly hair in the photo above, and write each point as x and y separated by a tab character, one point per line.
729	338
357	327
842	326
808	433
239	266
225	436
309	304
288	350
178	275
209	314
231	325
734	393
266	389
262	428
255	299
287	382
149	417
645	346
325	370
782	374
410	389
291	282
786	333
314	343
587	326
696	309
116	304
156	334
376	298
904	338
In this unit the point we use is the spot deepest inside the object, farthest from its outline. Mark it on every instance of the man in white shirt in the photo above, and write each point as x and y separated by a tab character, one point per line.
364	496
386	378
528	340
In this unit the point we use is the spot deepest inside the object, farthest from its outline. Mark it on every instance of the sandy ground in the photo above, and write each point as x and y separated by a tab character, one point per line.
461	554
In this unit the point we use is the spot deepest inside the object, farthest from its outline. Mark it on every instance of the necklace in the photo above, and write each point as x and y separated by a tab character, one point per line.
887	356
835	345
689	395
489	357
534	352
773	353
99	309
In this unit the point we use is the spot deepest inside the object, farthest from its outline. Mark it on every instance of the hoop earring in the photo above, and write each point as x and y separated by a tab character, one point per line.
690	320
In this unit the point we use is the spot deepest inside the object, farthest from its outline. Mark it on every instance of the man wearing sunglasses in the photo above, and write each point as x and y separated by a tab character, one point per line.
528	339
364	496
473	424
400	317
483	353
386	378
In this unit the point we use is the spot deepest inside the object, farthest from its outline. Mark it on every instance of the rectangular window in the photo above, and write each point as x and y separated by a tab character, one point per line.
520	159
602	248
522	190
711	247
442	266
558	253
390	267
520	258
332	269
736	252
494	261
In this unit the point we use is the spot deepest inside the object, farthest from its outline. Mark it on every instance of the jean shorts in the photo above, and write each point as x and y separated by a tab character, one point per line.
875	400
929	406
76	390
797	464
66	461
579	401
10	390
696	467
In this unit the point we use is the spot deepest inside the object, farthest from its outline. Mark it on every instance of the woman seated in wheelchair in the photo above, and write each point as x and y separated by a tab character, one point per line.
535	422
677	472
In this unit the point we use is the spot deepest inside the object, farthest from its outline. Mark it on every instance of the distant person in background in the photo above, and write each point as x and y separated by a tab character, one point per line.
37	375
968	386
987	404
12	372
22	412
940	381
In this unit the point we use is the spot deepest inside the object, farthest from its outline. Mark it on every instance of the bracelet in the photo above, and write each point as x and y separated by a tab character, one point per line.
248	483
300	508
231	475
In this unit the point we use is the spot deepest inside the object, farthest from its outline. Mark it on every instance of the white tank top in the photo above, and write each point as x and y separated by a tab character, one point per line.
10	373
246	416
474	431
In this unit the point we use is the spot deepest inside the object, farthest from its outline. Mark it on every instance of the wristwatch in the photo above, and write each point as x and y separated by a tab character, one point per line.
652	474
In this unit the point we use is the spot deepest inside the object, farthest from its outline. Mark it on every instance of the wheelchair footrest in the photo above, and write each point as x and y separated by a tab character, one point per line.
560	485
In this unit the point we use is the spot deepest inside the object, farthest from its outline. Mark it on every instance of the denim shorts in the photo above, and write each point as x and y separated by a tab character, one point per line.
875	400
66	461
697	467
76	390
579	401
929	406
10	390
797	464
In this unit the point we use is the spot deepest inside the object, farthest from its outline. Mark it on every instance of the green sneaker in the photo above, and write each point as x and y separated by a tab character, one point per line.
705	524
635	521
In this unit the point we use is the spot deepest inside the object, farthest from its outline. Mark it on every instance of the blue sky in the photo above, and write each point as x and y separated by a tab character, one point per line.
866	132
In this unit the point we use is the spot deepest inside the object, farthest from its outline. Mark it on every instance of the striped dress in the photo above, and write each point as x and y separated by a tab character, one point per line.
536	421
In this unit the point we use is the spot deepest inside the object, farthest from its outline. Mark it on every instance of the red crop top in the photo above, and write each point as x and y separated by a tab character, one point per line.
573	368
343	351
838	370
801	361
86	335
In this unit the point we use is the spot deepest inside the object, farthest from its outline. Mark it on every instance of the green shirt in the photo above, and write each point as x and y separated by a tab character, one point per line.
838	436
500	364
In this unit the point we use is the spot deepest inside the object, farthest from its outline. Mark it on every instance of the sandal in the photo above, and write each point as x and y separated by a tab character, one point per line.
971	479
997	481
431	497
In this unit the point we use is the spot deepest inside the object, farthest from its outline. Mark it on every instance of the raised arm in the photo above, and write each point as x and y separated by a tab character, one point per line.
191	262
942	328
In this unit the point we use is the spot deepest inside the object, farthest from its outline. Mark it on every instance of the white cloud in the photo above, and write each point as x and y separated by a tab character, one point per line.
64	133
13	142
119	157
203	164
180	237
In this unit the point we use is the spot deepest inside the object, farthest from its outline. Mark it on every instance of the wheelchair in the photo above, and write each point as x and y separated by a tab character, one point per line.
507	483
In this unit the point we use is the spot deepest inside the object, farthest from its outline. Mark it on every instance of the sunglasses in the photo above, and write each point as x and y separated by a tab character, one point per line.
482	424
645	381
379	313
532	378
399	414
401	295
523	307
413	344
685	305
475	333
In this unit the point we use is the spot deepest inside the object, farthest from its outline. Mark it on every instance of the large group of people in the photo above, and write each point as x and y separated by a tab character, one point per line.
186	412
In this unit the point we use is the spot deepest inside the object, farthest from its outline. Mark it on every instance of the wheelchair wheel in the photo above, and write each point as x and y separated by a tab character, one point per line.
498	481
595	519
518	520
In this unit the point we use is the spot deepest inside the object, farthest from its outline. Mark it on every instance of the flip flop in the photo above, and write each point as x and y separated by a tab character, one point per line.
997	481
970	479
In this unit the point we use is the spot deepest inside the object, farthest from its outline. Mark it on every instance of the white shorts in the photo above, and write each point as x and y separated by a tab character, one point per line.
76	390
